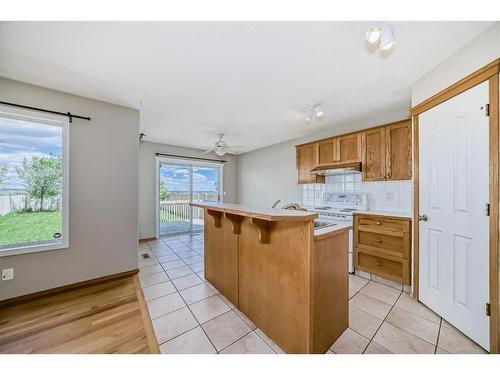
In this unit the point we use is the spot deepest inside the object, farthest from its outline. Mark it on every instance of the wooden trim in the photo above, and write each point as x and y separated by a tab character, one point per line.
235	221
65	288
147	239
489	72
264	228
146	320
416	203
471	80
494	228
216	215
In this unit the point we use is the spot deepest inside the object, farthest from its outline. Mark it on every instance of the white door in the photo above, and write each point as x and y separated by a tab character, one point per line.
454	190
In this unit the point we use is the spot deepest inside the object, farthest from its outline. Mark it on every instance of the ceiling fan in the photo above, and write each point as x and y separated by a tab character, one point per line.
220	147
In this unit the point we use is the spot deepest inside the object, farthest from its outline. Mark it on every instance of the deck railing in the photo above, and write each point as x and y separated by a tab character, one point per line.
178	211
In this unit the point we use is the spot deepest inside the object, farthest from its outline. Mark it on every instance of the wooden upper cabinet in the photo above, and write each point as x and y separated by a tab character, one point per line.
348	148
306	160
325	152
373	154
398	151
385	153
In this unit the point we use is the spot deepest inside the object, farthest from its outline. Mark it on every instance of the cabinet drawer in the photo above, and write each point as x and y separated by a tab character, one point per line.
397	269
392	244
381	223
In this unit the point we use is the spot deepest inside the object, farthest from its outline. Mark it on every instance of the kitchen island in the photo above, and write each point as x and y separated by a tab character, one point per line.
288	278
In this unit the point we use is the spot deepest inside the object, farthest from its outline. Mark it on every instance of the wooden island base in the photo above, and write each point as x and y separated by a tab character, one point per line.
292	284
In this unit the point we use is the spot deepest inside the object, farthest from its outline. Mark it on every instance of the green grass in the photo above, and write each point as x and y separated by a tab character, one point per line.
29	226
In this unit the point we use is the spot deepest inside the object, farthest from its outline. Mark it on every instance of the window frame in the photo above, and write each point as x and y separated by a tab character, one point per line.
53	120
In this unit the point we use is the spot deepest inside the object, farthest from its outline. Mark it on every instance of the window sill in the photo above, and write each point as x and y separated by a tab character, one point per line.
33	248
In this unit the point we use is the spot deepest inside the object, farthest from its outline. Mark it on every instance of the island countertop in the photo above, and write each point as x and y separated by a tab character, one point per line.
280	271
264	213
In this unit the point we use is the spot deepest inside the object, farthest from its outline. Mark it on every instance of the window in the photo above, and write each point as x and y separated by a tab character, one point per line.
33	182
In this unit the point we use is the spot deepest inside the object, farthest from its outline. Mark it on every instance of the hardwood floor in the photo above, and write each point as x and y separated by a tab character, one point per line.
108	317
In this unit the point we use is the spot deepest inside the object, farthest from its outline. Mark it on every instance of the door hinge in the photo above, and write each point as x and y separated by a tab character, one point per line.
487	209
487	110
488	312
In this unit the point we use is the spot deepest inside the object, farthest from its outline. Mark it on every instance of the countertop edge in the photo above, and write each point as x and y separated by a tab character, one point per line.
280	215
323	233
391	214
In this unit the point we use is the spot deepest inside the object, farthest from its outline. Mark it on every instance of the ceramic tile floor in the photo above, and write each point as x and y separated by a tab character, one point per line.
190	316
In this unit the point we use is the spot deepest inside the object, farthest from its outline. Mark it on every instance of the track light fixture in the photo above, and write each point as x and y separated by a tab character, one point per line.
382	32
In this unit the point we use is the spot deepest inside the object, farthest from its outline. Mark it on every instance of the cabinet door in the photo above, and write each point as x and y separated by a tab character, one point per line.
373	150
325	152
398	151
349	148
306	160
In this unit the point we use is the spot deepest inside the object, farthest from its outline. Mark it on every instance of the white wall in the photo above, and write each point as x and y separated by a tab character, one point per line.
480	52
269	174
147	181
103	179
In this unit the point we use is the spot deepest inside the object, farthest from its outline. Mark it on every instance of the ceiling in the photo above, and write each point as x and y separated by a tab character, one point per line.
249	80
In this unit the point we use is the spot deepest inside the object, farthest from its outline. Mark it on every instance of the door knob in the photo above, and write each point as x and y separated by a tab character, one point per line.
423	218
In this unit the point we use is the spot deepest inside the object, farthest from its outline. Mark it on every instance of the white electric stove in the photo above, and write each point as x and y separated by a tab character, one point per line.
339	207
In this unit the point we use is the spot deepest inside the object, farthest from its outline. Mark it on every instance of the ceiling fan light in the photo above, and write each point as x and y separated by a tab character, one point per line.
220	152
373	34
387	39
319	113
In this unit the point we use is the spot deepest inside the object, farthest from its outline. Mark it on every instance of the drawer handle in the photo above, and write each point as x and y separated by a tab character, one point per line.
379	223
379	264
378	241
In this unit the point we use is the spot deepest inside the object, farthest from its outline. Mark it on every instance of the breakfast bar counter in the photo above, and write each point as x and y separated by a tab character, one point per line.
289	279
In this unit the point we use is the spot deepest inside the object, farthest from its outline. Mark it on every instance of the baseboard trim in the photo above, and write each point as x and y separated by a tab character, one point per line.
147	239
64	288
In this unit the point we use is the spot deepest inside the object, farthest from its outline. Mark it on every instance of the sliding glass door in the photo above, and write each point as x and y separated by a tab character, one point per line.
206	181
181	182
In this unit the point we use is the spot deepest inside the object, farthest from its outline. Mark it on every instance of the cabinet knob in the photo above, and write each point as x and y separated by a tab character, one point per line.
379	223
378	241
379	264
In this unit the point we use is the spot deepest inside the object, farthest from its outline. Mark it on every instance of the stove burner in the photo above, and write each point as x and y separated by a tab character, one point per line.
322	208
348	210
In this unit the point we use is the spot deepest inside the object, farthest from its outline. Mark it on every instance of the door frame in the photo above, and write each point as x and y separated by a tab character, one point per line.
488	73
189	163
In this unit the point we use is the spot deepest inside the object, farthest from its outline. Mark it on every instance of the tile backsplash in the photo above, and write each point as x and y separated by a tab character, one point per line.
382	195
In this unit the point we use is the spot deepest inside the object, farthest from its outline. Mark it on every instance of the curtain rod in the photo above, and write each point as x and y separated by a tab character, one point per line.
67	114
189	157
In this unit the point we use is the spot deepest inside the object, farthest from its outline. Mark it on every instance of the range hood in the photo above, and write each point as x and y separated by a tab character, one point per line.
337	169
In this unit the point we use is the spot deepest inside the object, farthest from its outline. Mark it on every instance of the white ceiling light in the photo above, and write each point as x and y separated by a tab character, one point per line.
220	147
387	39
319	113
373	34
314	113
382	32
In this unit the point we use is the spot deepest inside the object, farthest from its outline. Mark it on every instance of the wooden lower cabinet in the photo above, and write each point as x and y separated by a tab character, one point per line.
383	246
292	284
221	256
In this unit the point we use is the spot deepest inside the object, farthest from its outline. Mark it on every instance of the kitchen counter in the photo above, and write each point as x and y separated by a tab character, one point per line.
268	214
288	278
320	233
396	214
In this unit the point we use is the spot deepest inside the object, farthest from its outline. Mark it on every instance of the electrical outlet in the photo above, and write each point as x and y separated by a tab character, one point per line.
7	274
